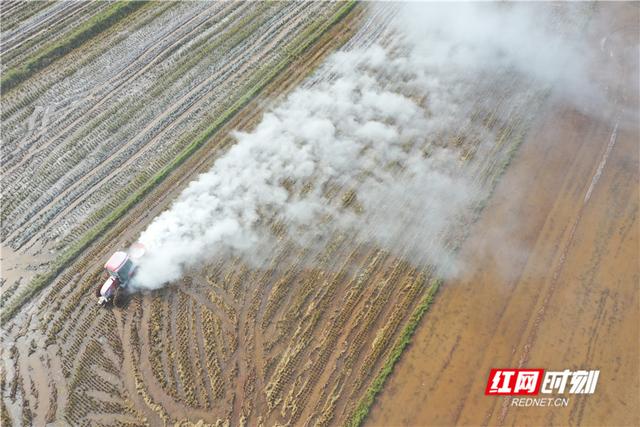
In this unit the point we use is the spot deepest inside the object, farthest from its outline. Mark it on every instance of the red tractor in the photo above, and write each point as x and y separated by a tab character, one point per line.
120	268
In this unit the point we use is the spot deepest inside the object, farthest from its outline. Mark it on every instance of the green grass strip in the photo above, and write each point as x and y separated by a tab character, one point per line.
87	30
363	408
42	280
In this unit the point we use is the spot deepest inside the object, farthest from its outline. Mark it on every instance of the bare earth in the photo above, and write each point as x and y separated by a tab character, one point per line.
560	293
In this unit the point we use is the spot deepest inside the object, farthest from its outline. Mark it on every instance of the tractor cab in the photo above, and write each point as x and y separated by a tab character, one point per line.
119	267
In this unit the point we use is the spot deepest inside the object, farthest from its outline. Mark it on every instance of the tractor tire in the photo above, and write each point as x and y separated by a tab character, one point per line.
119	298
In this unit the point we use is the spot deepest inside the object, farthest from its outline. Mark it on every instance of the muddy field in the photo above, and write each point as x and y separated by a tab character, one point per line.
99	142
83	135
562	291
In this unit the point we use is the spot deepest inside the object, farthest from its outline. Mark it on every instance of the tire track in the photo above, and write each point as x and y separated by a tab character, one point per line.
183	107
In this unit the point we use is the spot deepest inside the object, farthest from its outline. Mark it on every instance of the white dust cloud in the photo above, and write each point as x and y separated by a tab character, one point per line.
374	126
358	130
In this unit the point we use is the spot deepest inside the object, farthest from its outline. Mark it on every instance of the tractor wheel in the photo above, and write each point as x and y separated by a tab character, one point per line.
118	297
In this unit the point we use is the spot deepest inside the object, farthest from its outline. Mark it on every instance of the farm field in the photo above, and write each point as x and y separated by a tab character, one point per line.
562	290
133	97
122	105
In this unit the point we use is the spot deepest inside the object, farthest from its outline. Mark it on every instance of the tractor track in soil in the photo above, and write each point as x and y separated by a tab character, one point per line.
63	135
145	60
47	216
70	19
181	109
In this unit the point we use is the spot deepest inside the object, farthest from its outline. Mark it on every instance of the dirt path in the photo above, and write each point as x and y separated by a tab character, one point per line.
551	282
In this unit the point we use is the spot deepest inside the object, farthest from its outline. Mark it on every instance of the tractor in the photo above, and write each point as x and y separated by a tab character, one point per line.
120	269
